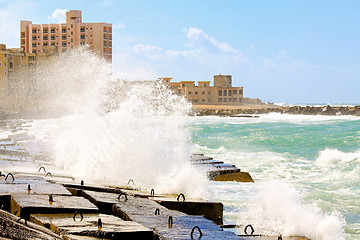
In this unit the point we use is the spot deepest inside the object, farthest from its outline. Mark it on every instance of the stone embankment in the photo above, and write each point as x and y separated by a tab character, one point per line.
304	110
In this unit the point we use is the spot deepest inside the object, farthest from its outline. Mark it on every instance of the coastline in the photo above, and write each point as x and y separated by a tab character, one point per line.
252	109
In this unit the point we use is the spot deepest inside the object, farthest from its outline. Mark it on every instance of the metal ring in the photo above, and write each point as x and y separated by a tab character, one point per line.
51	199
130	182
157	211
49	173
280	238
252	230
42	168
152	192
82	183
76	213
10	174
126	198
178	198
192	232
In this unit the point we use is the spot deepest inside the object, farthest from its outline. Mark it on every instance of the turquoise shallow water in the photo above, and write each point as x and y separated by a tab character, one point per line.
306	171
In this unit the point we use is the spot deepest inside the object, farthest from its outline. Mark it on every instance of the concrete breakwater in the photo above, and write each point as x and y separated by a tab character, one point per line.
304	110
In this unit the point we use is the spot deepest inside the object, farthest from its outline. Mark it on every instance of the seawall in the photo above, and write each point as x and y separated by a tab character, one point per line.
264	109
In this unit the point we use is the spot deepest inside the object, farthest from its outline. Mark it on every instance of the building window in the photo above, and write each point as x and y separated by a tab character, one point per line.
82	29
240	91
64	44
234	99
34	31
229	92
208	100
34	51
82	36
189	92
240	99
52	37
225	93
234	92
11	66
52	44
45	38
196	92
82	43
230	99
203	92
220	99
45	30
195	100
203	100
63	37
45	44
64	50
225	99
220	92
34	38
34	45
53	30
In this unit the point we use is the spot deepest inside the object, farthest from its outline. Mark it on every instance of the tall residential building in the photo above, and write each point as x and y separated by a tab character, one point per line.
64	36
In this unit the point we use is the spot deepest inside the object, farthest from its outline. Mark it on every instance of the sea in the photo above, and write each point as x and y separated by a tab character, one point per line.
306	171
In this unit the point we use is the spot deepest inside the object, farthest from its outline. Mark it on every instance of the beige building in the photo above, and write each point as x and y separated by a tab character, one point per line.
222	93
13	60
97	36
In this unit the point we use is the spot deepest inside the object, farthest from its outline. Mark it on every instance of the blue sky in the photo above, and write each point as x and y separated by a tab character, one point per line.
280	51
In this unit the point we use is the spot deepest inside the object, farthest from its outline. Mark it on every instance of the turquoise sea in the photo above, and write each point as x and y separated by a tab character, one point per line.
306	171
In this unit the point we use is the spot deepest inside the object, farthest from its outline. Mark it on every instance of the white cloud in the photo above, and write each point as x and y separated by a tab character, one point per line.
59	15
198	36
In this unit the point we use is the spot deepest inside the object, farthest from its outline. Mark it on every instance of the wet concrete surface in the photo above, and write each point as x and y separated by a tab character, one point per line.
111	227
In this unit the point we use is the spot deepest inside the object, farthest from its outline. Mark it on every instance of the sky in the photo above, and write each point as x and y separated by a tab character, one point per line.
282	51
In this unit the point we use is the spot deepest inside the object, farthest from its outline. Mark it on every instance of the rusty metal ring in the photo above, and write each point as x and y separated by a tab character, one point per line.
192	232
121	194
76	213
10	174
252	229
178	198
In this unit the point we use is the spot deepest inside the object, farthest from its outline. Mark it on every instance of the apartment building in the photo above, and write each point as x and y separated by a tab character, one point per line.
222	93
13	60
97	36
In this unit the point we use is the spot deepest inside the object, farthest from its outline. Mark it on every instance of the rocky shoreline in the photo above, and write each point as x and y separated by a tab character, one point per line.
304	110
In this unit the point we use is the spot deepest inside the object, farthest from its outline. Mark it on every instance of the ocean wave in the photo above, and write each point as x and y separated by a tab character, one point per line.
335	158
279	208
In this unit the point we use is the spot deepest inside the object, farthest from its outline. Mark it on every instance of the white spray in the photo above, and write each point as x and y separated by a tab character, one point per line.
117	131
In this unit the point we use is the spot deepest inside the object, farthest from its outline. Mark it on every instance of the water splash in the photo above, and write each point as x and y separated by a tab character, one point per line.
279	208
113	131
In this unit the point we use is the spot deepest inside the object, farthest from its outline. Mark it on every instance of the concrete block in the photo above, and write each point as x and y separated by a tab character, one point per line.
210	210
25	204
111	227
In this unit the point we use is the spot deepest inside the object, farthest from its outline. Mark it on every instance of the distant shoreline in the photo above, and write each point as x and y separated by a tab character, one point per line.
218	110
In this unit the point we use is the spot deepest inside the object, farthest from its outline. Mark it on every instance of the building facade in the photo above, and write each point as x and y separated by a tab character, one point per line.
97	36
13	60
222	93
